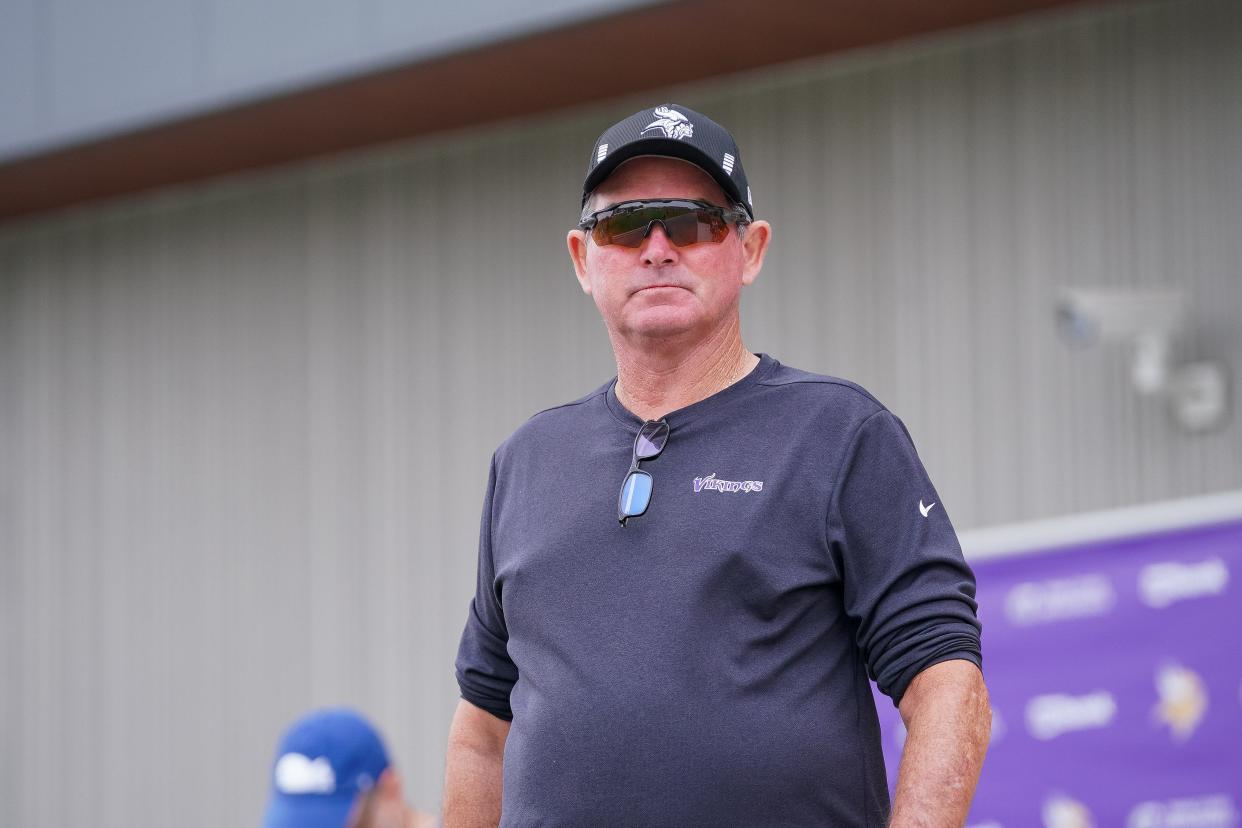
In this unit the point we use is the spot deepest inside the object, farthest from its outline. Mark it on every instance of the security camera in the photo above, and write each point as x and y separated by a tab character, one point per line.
1147	319
1090	315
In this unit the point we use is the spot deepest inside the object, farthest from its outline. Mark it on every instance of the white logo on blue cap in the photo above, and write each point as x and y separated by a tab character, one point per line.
298	774
601	153
727	163
671	122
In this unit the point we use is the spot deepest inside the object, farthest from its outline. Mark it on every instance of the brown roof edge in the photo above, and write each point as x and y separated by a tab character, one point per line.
652	47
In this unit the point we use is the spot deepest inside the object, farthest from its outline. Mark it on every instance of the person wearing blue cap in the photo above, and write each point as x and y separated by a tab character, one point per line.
686	577
332	771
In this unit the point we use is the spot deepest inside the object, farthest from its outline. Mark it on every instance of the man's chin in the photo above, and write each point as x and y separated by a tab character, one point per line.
662	326
662	313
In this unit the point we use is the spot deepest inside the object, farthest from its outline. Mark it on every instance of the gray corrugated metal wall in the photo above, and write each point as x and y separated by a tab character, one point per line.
244	429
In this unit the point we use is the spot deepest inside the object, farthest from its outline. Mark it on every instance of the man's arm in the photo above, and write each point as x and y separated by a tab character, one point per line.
948	722
472	774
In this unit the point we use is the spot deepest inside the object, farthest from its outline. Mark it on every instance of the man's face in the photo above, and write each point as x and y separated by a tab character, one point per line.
659	290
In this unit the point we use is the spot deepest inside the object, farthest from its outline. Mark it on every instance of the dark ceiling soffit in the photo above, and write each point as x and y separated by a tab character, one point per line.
649	48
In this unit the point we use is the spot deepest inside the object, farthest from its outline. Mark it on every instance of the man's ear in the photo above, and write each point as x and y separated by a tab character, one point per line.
754	248
362	813
576	241
383	806
389	785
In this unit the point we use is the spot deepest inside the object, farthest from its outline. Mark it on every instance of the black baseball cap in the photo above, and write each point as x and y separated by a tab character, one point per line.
677	132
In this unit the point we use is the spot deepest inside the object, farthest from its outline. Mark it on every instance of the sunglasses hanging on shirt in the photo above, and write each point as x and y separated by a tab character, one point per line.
636	490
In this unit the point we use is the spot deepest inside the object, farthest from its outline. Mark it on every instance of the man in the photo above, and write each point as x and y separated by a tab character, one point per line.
688	642
332	771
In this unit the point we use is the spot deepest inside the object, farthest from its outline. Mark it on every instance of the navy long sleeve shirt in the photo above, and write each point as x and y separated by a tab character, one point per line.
707	663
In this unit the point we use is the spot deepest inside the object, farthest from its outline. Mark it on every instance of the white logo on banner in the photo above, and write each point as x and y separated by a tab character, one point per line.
1063	812
1047	717
1038	602
998	728
1161	584
1183	699
1216	811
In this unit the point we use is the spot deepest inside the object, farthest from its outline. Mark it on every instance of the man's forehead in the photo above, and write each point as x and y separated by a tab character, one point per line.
659	176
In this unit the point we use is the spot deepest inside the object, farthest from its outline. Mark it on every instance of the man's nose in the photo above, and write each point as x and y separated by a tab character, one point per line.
657	248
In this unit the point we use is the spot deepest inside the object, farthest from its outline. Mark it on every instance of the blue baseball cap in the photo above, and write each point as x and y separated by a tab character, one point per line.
324	761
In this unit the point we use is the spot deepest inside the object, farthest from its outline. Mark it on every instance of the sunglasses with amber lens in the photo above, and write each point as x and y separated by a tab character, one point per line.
684	221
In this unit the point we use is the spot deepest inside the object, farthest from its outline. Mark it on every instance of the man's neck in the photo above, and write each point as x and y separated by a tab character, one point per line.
651	382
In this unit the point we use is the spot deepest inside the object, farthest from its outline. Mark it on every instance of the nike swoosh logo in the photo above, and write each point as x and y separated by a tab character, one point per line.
924	509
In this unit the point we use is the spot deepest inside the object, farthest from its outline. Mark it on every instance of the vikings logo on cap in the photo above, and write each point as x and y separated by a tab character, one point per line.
671	122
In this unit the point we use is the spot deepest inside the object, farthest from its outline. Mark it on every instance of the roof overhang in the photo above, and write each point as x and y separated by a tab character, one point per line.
623	54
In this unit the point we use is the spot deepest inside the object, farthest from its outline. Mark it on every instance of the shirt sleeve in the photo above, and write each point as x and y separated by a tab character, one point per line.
485	673
907	587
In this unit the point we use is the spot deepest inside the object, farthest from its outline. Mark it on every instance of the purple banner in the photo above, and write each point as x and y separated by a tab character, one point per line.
1115	670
